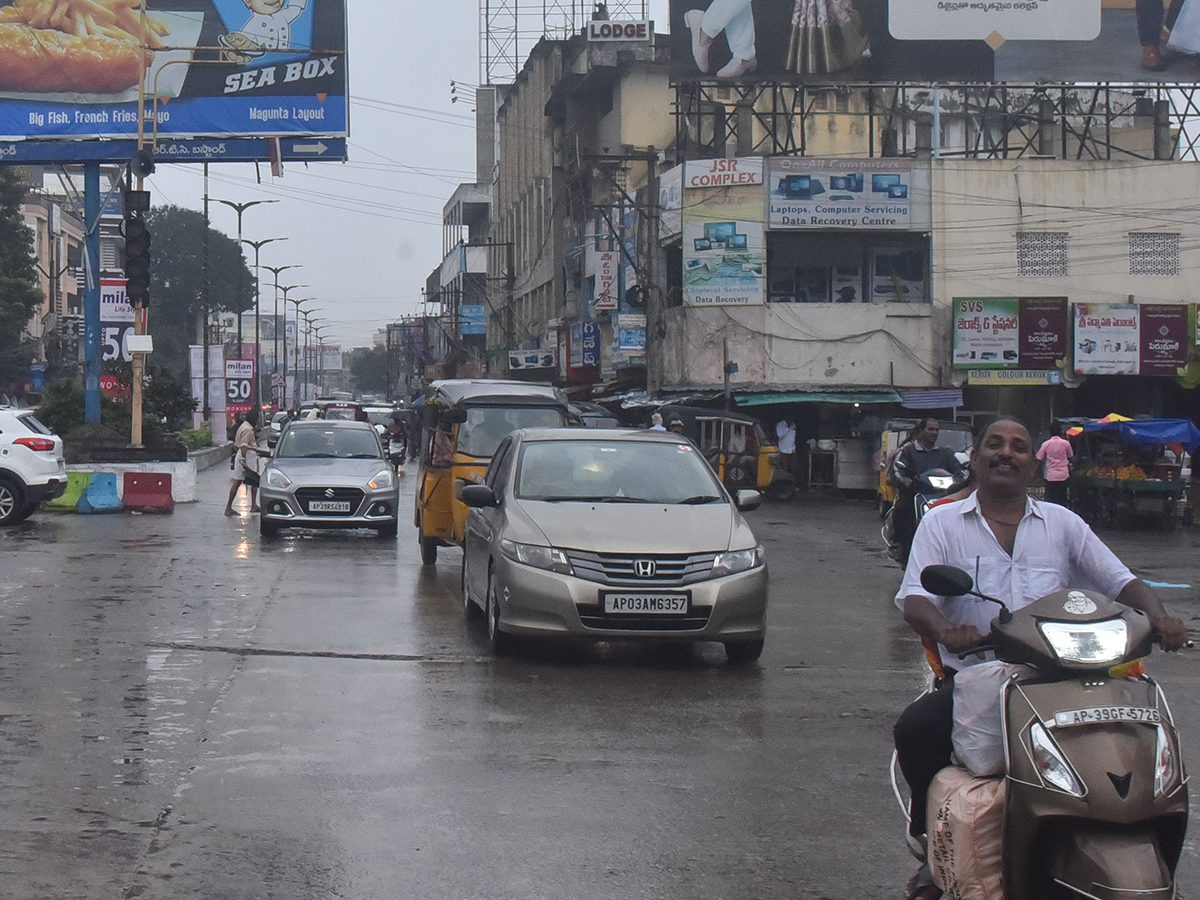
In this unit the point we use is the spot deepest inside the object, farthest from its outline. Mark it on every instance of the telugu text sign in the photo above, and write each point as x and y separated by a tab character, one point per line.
1163	345
964	20
277	73
1106	339
986	332
1043	330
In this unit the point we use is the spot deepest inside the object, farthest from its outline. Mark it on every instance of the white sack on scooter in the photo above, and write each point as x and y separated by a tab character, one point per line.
978	735
966	835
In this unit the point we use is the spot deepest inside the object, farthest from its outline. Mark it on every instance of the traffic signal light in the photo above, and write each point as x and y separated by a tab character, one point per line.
137	260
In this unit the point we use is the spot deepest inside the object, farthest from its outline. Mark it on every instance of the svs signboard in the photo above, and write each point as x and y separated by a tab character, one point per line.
71	68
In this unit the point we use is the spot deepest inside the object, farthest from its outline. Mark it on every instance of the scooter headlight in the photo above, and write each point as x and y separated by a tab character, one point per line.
1092	643
1166	769
1050	762
941	482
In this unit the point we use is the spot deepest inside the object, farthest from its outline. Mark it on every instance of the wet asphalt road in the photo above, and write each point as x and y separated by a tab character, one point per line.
189	712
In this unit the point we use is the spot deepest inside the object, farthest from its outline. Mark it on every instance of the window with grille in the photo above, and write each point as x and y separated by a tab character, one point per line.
1041	254
1153	253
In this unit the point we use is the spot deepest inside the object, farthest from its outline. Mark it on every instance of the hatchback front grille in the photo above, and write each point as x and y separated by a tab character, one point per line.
622	568
343	494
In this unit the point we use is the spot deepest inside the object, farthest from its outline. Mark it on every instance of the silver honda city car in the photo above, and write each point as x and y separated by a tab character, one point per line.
612	534
328	474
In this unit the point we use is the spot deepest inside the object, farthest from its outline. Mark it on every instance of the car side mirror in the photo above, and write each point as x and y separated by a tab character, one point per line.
479	496
747	499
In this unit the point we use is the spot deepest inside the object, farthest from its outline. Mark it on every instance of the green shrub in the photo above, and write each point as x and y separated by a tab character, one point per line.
197	438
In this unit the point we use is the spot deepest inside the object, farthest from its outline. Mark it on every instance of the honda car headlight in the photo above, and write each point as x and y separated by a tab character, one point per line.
550	558
381	479
1098	643
733	561
1051	764
276	479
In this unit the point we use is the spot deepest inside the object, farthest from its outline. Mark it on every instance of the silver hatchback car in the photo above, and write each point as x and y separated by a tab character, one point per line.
609	534
328	474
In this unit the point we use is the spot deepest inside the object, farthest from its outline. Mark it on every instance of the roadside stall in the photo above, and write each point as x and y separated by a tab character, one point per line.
1131	470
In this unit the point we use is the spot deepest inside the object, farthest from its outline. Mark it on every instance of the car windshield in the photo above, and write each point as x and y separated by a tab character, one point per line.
487	426
379	416
328	443
615	472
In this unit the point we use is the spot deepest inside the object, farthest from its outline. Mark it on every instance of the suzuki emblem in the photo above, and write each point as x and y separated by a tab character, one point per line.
329	492
644	568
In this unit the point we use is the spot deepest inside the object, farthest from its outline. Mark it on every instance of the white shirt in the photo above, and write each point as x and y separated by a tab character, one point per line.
1054	549
787	437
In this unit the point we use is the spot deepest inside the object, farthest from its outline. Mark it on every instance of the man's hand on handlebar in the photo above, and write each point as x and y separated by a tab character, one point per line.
1170	633
960	638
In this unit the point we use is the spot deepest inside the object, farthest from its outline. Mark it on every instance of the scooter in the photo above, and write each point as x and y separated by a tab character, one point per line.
931	485
1097	799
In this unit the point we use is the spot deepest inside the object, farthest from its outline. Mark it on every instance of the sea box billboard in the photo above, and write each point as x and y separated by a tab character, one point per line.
922	41
213	68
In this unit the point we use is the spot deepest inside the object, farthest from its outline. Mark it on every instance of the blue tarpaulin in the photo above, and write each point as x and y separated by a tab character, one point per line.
1152	431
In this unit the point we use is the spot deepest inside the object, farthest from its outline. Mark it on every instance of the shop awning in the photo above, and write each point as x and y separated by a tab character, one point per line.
940	399
766	397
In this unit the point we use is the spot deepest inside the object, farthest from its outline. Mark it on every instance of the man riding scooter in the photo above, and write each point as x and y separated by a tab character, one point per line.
920	454
1018	550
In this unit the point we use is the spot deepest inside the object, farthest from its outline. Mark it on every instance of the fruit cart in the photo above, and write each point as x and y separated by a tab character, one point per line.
1122	477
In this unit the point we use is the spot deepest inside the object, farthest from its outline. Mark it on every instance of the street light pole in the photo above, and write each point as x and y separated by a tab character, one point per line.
258	245
240	208
284	290
296	367
275	270
307	332
320	359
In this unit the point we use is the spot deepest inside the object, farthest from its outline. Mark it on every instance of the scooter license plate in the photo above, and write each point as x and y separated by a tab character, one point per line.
1103	715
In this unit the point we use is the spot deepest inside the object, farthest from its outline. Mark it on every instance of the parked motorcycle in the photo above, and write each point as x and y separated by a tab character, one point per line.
931	485
1096	803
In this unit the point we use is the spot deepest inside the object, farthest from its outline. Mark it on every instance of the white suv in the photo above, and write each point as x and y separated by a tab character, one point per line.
32	468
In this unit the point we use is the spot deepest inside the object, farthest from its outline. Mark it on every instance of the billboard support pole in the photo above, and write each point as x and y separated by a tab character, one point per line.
1162	129
91	294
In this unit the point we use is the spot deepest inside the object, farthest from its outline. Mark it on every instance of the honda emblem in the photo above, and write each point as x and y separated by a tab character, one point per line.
645	568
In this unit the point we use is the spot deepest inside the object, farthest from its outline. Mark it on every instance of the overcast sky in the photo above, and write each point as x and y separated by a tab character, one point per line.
366	232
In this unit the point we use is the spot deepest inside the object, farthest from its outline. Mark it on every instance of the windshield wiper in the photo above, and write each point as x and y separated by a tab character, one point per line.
702	498
595	498
362	456
319	456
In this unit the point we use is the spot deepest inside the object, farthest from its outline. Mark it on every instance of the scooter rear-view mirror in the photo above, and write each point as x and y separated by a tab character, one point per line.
946	581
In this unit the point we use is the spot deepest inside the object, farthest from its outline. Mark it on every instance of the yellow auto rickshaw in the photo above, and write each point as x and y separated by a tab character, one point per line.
463	422
737	448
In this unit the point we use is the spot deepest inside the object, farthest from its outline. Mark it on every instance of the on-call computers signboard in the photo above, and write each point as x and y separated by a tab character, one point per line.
922	41
70	68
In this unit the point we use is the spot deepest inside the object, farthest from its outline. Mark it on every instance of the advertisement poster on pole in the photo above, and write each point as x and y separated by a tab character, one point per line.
606	293
986	332
239	386
1106	340
116	321
219	68
724	242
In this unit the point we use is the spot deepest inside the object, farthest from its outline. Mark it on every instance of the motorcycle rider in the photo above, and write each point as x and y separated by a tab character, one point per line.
1018	550
920	454
398	435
